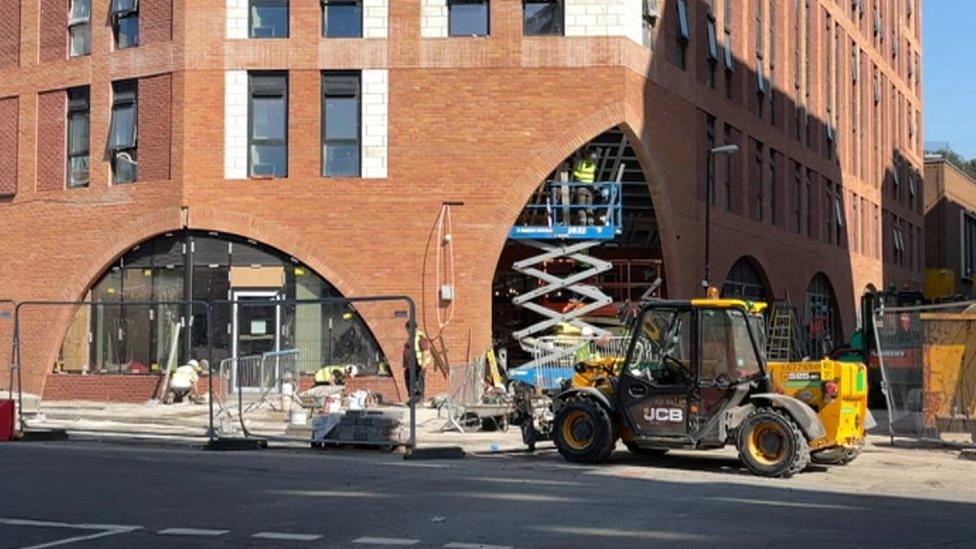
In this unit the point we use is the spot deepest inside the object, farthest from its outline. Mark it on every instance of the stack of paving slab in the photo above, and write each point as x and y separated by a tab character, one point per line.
369	426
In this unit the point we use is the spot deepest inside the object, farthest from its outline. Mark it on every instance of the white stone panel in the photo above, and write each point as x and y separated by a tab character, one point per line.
604	18
376	18
237	19
375	123
433	18
235	125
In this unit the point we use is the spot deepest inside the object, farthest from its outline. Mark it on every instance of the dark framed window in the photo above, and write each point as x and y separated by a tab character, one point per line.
79	28
267	124
683	34
268	19
342	18
650	13
760	181
727	136
709	166
542	17
468	18
341	128
122	135
79	137
125	23
711	51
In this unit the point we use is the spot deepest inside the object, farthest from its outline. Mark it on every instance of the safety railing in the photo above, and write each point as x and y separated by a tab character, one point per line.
573	210
926	359
555	358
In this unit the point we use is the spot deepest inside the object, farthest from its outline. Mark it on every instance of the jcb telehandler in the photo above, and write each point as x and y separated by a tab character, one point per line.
695	377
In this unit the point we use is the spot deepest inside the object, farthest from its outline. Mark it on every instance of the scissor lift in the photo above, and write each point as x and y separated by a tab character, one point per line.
562	236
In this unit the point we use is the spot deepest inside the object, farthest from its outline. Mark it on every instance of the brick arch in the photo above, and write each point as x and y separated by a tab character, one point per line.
166	220
560	148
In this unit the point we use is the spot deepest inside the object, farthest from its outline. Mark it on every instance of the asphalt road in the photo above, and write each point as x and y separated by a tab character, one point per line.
92	494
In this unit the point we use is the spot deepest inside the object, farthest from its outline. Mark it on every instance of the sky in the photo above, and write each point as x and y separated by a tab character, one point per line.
949	73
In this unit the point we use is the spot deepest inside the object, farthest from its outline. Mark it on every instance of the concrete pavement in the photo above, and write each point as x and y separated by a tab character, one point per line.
94	494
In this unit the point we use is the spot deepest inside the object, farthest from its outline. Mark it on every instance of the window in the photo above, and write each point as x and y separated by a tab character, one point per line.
340	124
542	17
724	335
760	181
808	202
122	132
467	17
268	19
710	168
728	169
78	137
798	193
773	183
268	125
745	281
79	28
342	18
821	317
649	16
760	63
662	352
968	246
729	58
712	49
684	32
125	23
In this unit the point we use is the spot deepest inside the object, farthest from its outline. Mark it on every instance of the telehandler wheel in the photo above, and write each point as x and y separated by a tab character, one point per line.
836	456
771	444
584	432
638	451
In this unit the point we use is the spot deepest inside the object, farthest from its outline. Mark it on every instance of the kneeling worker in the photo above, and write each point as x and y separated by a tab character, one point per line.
184	381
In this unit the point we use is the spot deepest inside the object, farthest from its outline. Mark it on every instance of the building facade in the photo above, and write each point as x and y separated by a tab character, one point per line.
334	137
950	227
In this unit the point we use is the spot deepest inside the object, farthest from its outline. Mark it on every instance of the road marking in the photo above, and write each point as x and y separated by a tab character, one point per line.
772	503
106	530
284	536
386	541
457	545
191	532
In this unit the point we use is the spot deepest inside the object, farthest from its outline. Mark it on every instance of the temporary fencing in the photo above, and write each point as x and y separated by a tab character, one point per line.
927	359
277	369
555	357
106	366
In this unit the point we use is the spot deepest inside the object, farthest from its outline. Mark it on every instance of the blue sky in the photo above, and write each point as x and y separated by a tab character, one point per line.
949	73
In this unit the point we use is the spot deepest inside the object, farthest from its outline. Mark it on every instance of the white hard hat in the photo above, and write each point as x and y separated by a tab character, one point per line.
193	363
587	331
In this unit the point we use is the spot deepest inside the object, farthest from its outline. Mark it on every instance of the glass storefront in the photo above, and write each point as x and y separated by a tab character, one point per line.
120	333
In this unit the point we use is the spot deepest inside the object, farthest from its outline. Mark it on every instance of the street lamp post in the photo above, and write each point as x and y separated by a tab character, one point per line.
724	150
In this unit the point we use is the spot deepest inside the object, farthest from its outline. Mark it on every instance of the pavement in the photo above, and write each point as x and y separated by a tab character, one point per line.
93	493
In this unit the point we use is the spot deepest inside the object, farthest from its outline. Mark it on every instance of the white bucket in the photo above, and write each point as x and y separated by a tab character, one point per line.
299	416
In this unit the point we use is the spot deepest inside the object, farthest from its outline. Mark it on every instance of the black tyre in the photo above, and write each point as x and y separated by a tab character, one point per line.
584	432
633	448
771	444
836	456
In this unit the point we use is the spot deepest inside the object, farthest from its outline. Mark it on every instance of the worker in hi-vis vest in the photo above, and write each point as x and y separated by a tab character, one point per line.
584	173
419	351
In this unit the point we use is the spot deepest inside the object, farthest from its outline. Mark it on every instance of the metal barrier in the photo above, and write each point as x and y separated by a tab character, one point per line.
927	359
109	366
106	366
291	372
466	388
555	357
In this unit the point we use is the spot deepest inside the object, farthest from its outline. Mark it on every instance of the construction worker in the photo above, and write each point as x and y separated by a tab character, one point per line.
416	352
184	381
330	375
584	174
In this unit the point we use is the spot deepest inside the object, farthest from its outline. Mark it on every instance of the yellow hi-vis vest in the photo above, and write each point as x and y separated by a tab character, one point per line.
585	171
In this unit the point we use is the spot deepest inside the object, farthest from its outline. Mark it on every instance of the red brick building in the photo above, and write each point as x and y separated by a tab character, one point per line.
333	134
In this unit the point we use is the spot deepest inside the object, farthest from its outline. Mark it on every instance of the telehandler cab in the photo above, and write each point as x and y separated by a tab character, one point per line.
694	377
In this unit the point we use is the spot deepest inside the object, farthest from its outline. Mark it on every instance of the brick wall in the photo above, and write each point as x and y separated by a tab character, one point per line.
155	127
375	122
386	387
53	30
605	18
155	21
134	389
9	33
51	144
8	152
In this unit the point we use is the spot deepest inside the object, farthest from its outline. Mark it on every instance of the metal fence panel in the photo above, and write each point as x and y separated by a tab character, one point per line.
927	357
109	366
314	371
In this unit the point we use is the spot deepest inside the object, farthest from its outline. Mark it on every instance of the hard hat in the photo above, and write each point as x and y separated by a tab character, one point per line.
587	331
193	363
